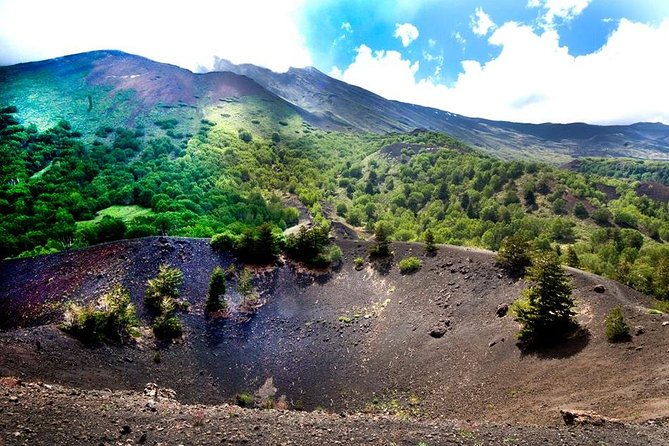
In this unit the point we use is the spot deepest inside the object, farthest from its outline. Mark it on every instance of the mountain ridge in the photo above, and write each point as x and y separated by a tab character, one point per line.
48	90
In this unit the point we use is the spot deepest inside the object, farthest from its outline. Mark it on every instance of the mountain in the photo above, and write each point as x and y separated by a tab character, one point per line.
352	107
112	88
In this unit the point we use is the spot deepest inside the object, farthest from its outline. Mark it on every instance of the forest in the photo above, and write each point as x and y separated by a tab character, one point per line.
64	190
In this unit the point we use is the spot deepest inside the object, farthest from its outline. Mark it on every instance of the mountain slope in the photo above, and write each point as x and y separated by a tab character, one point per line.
355	108
111	88
115	89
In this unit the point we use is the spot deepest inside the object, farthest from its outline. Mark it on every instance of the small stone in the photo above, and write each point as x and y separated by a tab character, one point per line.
665	323
639	330
502	309
125	430
599	288
14	399
142	439
438	332
492	344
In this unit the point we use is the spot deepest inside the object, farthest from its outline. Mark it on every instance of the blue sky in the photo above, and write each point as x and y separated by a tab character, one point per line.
597	61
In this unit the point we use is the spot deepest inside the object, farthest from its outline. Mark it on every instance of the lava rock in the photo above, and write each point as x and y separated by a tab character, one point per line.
502	310
599	288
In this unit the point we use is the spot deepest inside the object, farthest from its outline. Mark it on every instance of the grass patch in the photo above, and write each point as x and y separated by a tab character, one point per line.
125	213
659	307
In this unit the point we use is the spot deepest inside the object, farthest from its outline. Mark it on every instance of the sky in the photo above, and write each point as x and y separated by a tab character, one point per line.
595	61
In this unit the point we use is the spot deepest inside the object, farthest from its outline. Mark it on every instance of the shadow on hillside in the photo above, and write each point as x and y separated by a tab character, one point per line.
382	265
566	346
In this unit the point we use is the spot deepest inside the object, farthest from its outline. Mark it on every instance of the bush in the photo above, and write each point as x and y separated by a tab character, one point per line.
112	318
514	254
615	328
410	265
165	284
225	241
245	399
167	326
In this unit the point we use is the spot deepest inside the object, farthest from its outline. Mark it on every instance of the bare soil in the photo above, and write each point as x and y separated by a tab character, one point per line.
345	340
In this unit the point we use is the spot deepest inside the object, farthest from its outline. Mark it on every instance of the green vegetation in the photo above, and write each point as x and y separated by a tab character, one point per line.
61	190
514	254
430	247
313	246
111	318
546	309
160	298
630	169
245	399
216	301
615	328
410	265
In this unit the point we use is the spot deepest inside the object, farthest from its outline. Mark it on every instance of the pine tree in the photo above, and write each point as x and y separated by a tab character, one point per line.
430	247
548	308
216	297
381	248
572	257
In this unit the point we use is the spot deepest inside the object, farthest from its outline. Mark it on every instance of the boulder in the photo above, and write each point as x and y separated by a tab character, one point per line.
572	417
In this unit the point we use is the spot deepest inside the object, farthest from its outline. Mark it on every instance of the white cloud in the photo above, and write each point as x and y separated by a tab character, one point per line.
564	9
346	26
534	79
432	43
406	32
188	34
385	70
481	22
458	38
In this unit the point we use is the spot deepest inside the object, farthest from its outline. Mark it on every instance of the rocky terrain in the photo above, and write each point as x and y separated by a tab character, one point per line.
410	352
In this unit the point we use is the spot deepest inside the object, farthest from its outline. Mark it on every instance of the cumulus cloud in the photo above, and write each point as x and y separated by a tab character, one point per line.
563	9
535	79
386	70
481	22
188	34
406	32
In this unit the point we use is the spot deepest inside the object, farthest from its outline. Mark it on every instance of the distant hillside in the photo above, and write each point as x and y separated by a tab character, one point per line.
111	88
352	107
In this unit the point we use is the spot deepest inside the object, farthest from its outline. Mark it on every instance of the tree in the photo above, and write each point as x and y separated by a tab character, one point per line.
572	257
514	254
381	247
430	247
216	296
546	310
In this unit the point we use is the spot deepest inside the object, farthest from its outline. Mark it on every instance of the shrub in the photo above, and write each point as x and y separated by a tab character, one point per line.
167	325
514	254
112	317
410	265
245	399
225	241
216	297
165	284
546	309
359	262
615	328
